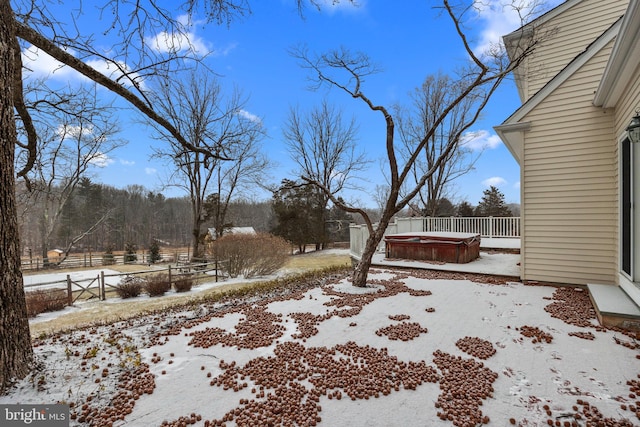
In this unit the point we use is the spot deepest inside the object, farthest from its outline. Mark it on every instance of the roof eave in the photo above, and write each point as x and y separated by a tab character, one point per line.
623	61
512	134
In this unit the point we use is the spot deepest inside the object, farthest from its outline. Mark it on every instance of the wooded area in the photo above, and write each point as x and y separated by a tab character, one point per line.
135	216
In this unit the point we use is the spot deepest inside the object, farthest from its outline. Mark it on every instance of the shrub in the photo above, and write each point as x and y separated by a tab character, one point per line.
130	252
157	285
107	257
154	253
45	300
251	254
183	285
130	287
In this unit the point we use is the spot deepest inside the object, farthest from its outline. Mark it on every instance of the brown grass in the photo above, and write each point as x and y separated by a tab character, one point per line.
101	312
316	261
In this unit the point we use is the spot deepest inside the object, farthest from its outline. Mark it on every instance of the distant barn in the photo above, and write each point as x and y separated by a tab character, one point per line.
55	255
232	230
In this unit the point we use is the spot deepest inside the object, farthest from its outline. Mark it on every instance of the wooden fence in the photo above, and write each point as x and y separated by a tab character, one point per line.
98	259
99	286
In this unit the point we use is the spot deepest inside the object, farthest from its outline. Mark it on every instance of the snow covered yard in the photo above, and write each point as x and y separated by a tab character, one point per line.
416	348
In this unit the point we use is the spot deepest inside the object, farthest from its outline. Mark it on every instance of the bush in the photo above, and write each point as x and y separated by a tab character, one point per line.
251	255
154	253
130	252
183	285
108	258
157	285
45	300
130	287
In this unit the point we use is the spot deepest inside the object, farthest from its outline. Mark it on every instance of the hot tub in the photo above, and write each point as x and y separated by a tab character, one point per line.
433	246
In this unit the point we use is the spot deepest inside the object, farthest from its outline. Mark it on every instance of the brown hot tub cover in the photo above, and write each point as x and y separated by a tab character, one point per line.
434	246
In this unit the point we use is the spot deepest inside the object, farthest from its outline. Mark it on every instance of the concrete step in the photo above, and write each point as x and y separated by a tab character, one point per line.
614	308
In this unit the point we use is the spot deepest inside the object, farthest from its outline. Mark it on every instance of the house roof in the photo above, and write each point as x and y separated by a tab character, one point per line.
542	19
623	61
512	41
233	230
511	130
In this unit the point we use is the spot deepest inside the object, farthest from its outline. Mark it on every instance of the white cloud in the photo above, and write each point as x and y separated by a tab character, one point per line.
516	185
75	132
115	71
150	171
179	41
101	160
480	140
249	116
127	162
500	17
40	65
495	181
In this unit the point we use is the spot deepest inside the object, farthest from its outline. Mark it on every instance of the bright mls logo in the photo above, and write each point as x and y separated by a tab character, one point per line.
34	415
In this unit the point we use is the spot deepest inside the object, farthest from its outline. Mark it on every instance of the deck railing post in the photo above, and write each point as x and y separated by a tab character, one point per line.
490	227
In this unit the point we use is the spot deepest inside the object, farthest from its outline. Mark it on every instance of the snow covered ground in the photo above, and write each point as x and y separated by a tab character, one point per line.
413	349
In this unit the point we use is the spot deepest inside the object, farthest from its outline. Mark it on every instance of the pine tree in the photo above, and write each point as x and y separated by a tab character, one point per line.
299	213
492	204
464	209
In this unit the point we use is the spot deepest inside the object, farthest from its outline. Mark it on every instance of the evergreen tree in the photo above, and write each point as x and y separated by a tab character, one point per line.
492	204
464	209
299	216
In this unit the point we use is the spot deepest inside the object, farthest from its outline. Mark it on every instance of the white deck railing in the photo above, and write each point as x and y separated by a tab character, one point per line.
485	226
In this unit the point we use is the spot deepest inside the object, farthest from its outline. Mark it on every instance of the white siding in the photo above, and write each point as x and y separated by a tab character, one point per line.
570	184
629	103
574	31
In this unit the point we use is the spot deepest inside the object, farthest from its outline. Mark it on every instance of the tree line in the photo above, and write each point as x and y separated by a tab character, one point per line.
98	217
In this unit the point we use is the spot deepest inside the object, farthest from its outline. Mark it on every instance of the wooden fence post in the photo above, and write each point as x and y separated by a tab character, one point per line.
69	293
170	282
104	294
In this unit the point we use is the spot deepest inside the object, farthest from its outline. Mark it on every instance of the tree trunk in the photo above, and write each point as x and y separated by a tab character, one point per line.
16	354
195	244
361	271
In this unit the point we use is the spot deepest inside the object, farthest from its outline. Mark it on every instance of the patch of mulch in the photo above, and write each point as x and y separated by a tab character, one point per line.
343	371
405	331
476	347
464	384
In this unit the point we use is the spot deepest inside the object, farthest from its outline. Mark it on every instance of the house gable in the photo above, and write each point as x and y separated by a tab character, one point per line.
562	33
511	131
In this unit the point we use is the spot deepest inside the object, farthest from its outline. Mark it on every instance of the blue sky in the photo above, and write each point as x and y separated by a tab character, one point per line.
407	39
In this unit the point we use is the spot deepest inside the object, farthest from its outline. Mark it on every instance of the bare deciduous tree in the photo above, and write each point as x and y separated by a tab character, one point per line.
427	103
74	132
347	71
323	145
198	109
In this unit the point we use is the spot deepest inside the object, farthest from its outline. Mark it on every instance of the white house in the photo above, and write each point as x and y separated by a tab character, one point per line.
580	90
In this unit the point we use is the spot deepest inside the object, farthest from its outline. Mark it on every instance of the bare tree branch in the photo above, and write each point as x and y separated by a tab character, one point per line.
35	38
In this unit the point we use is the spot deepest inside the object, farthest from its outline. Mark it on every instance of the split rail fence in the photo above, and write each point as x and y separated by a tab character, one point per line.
97	259
100	285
